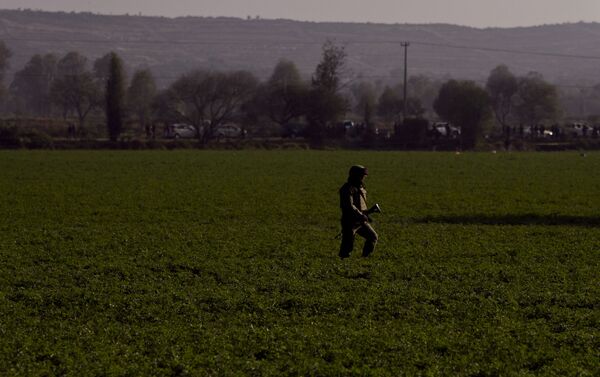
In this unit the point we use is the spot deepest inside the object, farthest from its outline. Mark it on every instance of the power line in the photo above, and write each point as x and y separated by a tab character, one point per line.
403	44
510	51
296	42
161	41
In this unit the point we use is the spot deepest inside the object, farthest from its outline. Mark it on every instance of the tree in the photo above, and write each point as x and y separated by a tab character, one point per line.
422	92
5	55
365	95
465	105
327	73
228	92
75	89
502	87
365	99
115	97
324	104
72	64
32	84
162	107
414	108
419	87
140	94
101	68
389	105
282	97
207	100
537	100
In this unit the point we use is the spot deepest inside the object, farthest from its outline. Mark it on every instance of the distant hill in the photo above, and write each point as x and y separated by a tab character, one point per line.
172	46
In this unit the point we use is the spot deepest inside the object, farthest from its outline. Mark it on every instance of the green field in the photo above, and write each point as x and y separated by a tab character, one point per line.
224	263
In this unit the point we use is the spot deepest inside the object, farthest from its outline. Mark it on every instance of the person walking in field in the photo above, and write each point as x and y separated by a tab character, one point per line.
355	219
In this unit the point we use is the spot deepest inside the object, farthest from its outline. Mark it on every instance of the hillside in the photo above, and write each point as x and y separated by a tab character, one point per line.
171	46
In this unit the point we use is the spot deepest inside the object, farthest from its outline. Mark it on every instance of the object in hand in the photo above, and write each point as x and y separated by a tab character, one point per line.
375	209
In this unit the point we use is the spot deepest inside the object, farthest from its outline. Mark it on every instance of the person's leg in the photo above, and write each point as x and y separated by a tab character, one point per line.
370	237
347	242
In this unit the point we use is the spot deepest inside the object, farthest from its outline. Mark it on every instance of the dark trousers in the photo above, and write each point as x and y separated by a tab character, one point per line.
364	230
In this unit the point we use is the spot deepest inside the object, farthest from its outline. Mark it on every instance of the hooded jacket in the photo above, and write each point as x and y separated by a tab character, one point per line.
353	202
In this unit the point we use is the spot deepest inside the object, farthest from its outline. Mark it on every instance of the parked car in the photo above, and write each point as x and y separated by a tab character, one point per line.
578	129
348	124
229	130
180	131
445	129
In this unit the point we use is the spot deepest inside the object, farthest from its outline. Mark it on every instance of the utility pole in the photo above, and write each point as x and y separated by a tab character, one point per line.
405	45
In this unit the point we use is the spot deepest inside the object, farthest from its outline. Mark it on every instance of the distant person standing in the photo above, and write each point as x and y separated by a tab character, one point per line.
353	202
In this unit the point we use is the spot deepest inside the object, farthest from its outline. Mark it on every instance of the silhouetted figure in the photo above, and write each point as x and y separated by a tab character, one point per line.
353	202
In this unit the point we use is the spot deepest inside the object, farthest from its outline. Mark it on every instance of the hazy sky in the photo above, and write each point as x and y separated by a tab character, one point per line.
478	13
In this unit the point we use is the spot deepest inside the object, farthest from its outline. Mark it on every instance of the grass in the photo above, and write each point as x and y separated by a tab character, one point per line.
224	263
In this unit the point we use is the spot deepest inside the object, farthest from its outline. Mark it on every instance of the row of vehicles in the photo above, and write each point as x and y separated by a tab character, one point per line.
436	129
187	131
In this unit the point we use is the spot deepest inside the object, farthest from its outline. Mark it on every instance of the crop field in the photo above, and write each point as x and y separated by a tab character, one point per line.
221	263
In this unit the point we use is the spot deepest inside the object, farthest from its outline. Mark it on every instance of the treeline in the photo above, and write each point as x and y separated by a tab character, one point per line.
73	88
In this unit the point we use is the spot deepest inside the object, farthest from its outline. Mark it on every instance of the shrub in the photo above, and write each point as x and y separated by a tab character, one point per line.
36	139
9	137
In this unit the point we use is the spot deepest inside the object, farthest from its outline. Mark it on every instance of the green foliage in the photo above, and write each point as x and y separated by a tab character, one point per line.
224	263
537	100
5	55
364	95
324	109
36	139
324	104
75	90
101	68
282	98
31	85
72	64
465	105
502	86
140	95
115	97
9	137
389	105
327	73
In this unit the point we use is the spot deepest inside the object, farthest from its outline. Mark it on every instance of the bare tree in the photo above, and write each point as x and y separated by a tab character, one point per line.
75	89
502	87
207	100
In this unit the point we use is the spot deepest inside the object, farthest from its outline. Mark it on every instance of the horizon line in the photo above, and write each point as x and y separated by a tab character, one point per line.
261	18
